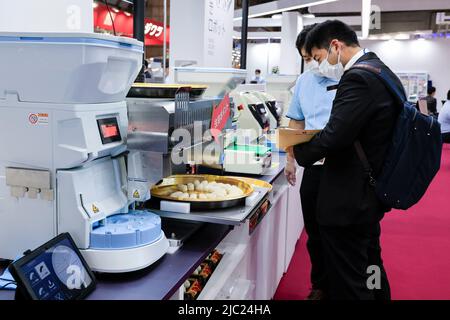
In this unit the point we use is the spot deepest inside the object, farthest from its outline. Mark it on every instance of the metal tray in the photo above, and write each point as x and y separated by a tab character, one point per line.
164	91
256	182
164	188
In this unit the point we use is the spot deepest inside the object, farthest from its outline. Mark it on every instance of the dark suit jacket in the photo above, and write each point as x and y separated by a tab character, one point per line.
431	105
363	110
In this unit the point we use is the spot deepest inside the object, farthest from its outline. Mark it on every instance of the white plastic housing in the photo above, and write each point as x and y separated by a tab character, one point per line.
64	137
126	260
68	67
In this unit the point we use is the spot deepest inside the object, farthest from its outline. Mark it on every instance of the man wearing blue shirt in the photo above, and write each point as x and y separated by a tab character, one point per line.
310	109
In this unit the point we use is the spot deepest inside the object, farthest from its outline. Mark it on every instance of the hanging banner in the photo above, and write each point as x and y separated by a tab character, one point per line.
123	24
218	33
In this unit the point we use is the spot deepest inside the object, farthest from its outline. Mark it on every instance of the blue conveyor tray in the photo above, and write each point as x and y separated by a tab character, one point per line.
130	230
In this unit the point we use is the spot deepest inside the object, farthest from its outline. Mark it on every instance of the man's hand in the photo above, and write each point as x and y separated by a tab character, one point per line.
291	172
290	153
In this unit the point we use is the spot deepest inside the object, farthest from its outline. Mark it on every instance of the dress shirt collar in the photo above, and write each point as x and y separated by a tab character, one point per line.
355	58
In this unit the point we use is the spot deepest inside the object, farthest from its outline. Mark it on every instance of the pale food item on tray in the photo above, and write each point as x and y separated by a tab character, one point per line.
183	196
205	190
193	196
176	194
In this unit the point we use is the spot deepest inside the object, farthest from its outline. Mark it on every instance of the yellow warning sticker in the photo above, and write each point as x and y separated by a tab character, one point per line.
136	194
95	209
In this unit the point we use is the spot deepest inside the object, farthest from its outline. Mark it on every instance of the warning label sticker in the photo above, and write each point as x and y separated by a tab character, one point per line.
38	118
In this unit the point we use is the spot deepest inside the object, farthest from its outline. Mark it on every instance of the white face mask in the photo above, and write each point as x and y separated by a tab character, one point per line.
332	71
312	66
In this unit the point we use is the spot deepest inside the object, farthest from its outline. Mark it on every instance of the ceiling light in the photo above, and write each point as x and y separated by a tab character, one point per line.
277	16
115	10
296	7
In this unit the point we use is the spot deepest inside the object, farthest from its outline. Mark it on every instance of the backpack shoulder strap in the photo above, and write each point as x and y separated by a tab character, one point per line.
385	77
365	162
397	94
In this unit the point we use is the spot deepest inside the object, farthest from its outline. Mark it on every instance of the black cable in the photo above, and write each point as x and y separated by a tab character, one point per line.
110	15
8	284
4	279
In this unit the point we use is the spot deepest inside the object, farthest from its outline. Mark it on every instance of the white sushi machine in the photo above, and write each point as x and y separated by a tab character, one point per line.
64	165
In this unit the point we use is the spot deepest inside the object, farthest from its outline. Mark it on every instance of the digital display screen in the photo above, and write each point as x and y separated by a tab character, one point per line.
56	272
109	130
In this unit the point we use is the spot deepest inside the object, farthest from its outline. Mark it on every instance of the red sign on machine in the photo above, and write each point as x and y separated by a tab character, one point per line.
220	116
123	24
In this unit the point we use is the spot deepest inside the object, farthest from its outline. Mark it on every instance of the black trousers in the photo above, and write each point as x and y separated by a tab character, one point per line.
354	266
309	191
446	137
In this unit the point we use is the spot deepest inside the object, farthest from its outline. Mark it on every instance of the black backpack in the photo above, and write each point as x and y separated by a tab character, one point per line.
414	156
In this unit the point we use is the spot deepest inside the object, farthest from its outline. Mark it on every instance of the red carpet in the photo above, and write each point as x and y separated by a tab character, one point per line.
416	248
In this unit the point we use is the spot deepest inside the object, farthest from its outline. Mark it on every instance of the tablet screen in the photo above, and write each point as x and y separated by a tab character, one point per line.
55	271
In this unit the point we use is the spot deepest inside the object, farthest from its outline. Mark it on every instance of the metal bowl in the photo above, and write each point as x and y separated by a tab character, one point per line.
164	188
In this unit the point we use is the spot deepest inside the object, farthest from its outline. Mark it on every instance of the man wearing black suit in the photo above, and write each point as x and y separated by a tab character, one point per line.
349	212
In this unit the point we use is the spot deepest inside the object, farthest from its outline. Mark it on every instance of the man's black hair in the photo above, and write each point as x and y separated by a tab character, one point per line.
431	90
257	71
301	38
448	95
321	36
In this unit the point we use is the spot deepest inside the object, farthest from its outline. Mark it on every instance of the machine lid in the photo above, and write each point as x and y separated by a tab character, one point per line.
73	38
250	98
164	91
